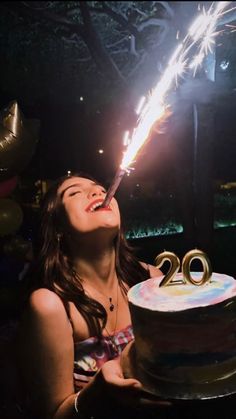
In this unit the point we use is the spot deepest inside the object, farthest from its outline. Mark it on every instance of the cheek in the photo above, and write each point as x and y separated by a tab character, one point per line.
75	216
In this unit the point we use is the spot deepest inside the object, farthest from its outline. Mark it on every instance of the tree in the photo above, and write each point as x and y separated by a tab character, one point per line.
120	42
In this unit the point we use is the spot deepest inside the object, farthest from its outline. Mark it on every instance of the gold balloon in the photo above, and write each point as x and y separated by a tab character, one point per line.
11	217
12	118
17	141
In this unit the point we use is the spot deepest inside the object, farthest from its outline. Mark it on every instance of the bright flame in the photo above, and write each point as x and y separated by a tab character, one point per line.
200	37
140	105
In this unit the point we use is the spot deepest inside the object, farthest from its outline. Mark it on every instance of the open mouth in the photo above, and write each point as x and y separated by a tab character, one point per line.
97	206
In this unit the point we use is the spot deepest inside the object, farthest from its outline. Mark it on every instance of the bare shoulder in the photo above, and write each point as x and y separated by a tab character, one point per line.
46	310
153	270
45	302
46	316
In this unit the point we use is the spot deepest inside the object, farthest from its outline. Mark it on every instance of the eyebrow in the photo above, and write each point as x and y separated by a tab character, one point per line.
78	185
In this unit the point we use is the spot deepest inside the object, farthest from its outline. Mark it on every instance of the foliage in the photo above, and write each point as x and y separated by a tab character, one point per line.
59	47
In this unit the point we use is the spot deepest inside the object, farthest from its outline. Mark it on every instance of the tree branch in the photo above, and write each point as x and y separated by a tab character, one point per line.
96	48
117	17
39	14
167	7
86	31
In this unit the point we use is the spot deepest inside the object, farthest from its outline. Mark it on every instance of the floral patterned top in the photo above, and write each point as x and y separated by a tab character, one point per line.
92	353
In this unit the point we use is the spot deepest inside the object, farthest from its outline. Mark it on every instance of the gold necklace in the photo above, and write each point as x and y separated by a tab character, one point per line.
110	299
110	336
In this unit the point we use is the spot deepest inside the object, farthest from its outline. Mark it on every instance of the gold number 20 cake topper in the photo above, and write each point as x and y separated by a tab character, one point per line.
169	278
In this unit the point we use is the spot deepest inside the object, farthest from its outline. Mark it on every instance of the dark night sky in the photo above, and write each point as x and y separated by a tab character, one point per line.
48	84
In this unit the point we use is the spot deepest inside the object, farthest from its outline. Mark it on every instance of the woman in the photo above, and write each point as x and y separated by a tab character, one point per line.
77	321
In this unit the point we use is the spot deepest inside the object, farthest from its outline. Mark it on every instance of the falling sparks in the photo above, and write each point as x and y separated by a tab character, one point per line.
232	28
202	29
201	37
188	55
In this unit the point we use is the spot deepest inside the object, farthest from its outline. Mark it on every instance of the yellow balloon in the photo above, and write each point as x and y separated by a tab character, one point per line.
11	217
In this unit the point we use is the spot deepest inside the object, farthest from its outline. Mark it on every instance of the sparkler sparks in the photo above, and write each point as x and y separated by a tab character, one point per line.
232	28
189	54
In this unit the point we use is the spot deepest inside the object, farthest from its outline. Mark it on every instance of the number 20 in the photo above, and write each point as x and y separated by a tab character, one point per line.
186	264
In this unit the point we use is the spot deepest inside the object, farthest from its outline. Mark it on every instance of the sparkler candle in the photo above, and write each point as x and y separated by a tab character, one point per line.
152	110
112	190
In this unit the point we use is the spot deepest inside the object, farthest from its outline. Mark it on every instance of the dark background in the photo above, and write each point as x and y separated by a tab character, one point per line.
78	70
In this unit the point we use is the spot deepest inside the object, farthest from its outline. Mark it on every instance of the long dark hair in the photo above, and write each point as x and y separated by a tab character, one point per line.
54	268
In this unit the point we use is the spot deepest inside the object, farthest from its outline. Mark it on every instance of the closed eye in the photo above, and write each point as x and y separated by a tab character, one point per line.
74	193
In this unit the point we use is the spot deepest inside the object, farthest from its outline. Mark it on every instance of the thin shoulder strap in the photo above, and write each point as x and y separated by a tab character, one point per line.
92	328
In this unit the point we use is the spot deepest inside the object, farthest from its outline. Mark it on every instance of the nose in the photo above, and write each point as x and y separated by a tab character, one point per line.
95	190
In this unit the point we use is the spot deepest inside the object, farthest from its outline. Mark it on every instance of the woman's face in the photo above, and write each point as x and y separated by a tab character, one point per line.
80	197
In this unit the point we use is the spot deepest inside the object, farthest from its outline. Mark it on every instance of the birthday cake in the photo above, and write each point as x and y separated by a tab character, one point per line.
185	337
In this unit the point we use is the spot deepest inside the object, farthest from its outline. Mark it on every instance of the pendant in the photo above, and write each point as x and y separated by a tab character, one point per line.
111	308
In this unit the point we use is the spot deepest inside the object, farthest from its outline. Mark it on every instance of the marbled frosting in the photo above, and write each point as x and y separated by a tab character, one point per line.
178	297
185	336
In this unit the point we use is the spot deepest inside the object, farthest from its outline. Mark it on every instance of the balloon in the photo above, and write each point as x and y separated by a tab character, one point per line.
7	186
18	248
17	141
11	217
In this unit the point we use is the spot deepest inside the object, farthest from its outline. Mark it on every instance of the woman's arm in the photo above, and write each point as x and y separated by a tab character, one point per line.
47	355
47	349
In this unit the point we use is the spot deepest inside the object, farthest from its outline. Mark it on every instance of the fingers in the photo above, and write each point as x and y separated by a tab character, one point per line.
112	374
128	391
125	382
